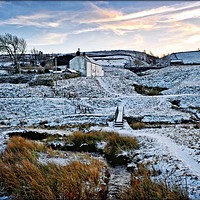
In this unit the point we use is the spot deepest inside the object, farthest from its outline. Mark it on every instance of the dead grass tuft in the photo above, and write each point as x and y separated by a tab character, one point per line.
142	187
117	143
23	177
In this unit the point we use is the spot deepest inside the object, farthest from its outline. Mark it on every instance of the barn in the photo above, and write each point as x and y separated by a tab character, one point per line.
86	66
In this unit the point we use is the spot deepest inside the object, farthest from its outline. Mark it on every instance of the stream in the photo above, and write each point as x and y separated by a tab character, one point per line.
119	179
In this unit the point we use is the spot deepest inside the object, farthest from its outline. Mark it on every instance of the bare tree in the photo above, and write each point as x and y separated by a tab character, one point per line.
37	55
151	53
15	47
137	62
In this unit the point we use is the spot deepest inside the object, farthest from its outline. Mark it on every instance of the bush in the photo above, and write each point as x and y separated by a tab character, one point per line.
137	125
23	177
72	75
46	70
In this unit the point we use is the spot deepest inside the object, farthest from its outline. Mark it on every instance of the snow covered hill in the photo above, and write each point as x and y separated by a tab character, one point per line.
173	146
121	58
172	76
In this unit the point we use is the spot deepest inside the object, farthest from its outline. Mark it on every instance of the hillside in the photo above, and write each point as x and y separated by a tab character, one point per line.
171	117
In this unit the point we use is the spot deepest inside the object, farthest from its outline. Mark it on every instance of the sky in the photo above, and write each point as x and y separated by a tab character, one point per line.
161	27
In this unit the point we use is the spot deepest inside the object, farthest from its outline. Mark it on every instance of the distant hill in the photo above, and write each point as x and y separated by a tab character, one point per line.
119	58
185	58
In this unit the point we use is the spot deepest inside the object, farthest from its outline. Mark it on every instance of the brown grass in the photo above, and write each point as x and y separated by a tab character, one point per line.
115	142
143	188
23	177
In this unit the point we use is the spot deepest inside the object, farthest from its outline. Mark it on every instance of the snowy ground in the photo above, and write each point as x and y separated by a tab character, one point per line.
174	148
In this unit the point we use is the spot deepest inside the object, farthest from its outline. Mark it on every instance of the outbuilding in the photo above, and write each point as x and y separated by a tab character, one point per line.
176	62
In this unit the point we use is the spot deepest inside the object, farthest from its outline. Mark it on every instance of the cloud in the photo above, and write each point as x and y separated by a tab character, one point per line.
48	39
1	3
98	18
184	14
41	20
170	25
193	39
96	14
163	10
87	30
109	19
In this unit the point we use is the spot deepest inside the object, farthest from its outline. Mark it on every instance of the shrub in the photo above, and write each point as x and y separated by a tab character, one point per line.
141	89
46	70
143	188
137	125
23	177
72	75
197	125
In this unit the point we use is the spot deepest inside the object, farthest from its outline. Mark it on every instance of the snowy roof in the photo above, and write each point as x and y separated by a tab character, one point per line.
72	71
176	61
190	57
89	60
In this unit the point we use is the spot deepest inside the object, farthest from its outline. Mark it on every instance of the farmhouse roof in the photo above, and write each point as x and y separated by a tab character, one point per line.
89	60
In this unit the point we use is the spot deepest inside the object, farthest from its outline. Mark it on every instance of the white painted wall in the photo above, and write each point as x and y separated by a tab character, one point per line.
93	70
78	64
89	69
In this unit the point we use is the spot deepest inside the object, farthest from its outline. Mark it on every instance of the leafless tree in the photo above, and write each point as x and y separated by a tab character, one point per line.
13	46
36	55
137	62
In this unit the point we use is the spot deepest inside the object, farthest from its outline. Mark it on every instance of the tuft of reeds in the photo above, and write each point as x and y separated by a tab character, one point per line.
115	142
23	177
143	188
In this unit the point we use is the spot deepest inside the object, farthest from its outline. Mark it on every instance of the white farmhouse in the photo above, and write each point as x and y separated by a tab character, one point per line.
86	66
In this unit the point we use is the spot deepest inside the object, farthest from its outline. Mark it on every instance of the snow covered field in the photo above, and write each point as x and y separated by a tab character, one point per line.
174	148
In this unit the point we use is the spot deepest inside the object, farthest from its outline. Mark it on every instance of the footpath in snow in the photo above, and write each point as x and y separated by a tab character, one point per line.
172	156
